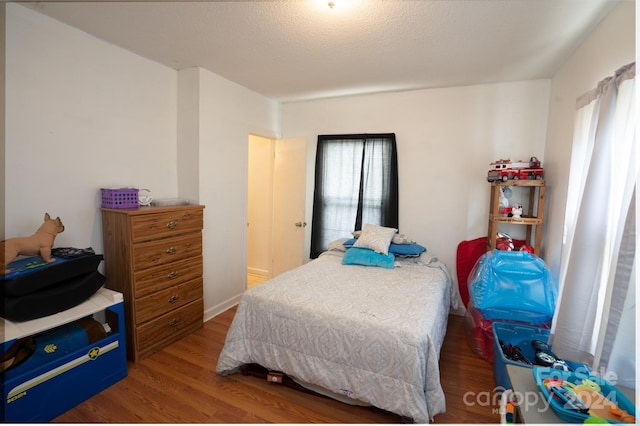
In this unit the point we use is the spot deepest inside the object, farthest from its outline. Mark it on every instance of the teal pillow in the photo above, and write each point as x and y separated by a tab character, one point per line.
367	257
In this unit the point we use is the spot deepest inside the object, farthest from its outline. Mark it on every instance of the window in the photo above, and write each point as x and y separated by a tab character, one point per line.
356	182
594	321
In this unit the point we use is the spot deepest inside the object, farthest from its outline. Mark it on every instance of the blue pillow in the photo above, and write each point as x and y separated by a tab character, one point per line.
349	243
400	250
367	257
406	250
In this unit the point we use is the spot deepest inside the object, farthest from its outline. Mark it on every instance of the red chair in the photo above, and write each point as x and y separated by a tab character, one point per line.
467	255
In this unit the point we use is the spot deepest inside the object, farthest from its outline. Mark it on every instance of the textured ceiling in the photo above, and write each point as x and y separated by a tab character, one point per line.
302	49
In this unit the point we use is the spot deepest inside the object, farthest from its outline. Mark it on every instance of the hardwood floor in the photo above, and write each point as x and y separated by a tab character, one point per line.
179	385
255	279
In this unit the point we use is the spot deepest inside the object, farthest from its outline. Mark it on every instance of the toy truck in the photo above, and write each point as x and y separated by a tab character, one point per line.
504	170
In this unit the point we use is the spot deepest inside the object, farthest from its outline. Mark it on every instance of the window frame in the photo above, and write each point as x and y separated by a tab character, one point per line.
388	180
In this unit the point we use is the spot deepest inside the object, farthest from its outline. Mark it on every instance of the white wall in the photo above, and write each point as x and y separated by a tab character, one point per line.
80	114
446	139
610	46
2	117
189	134
228	113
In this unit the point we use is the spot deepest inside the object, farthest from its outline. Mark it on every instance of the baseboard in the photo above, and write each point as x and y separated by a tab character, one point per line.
458	311
221	307
258	271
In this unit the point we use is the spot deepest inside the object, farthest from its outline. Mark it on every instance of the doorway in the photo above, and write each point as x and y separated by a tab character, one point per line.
259	209
276	222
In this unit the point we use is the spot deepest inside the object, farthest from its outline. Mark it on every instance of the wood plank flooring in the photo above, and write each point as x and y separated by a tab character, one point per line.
179	385
255	279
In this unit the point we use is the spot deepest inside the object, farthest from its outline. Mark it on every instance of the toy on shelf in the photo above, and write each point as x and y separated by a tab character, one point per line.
506	243
38	244
516	212
503	170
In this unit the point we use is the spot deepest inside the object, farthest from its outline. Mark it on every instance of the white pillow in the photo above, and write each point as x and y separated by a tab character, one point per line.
376	238
397	238
337	245
402	239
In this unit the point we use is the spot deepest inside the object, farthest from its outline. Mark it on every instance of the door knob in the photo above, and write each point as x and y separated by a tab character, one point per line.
301	224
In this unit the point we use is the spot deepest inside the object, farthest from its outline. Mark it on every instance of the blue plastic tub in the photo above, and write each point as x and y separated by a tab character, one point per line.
516	335
571	379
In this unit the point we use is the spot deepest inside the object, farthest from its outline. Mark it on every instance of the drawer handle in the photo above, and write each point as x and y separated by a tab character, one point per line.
174	298
172	224
172	250
173	275
174	322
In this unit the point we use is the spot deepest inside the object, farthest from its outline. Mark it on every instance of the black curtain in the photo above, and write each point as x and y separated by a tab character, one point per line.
356	182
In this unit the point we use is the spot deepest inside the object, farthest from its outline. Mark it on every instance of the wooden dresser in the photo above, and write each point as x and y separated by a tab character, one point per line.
153	256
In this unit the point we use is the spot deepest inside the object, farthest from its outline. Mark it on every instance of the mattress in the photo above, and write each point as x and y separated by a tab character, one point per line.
372	335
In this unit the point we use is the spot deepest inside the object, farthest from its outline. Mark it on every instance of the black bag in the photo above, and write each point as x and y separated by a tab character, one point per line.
35	289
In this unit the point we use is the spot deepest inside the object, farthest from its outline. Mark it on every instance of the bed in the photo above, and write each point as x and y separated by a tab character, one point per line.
364	334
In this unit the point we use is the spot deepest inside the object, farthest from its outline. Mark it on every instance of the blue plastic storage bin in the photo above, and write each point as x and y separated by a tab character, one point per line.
516	335
572	379
520	336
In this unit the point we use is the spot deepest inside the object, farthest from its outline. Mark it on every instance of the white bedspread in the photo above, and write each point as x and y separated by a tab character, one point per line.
368	333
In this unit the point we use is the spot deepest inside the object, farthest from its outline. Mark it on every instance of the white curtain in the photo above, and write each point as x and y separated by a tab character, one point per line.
591	323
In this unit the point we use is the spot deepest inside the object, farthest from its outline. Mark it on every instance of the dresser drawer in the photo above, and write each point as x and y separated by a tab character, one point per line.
169	327
164	301
165	250
165	224
152	280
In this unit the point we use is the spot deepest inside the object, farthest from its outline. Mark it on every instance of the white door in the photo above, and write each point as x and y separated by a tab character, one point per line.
289	187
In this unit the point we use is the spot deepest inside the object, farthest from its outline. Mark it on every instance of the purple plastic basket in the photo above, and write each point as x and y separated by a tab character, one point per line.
122	198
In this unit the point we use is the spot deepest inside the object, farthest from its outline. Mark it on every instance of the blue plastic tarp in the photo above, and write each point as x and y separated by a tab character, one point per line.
513	285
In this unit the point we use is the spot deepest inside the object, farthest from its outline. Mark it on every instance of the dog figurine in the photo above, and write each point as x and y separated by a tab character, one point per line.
39	243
